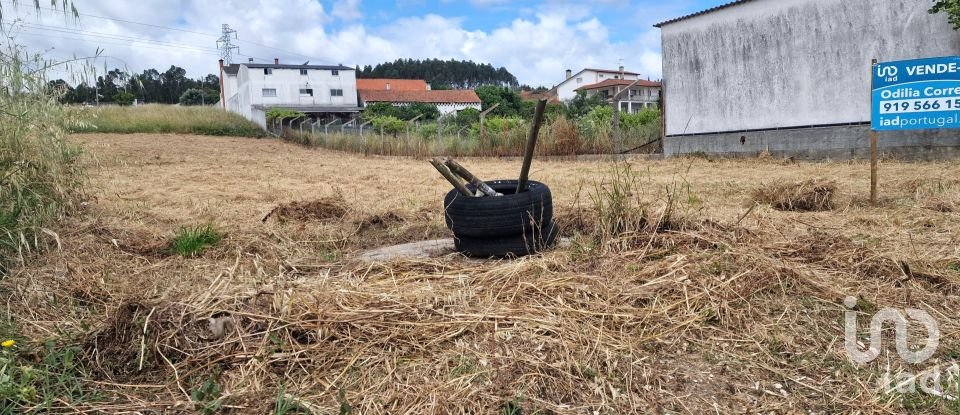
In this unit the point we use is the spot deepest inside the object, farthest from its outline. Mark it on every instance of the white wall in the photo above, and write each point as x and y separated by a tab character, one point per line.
288	83
788	63
567	89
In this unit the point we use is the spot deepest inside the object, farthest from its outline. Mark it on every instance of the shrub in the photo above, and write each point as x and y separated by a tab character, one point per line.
124	98
283	114
389	125
191	241
192	97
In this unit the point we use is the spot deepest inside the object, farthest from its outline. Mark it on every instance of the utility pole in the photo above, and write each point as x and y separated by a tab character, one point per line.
225	43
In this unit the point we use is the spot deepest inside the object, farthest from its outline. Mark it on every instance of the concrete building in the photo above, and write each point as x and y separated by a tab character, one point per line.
321	91
447	101
567	89
792	77
643	94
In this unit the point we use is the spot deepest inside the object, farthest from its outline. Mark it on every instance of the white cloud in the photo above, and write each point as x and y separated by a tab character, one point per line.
536	48
347	10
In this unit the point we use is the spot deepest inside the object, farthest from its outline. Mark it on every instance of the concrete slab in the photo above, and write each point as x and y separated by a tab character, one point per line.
421	250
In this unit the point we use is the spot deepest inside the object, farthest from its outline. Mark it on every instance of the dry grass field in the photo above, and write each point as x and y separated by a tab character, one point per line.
688	297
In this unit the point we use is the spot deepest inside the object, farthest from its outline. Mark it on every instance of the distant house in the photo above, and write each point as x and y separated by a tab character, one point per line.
567	89
392	85
251	89
643	94
447	101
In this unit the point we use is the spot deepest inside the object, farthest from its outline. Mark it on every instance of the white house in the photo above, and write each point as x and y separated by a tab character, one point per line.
251	89
567	89
642	94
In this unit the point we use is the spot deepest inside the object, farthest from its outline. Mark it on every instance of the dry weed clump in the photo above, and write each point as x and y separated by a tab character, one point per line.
812	195
319	210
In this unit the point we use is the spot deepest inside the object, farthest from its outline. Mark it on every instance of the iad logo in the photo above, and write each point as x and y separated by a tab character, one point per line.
931	380
900	324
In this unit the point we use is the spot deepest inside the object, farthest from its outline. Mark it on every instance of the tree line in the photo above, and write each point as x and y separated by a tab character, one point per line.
441	74
150	86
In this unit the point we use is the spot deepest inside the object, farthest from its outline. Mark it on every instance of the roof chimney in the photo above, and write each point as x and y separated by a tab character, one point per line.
388	86
621	71
276	61
569	74
250	60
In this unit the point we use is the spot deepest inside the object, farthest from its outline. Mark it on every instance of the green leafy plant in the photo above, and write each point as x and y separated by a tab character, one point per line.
192	97
124	98
191	241
207	399
951	8
283	114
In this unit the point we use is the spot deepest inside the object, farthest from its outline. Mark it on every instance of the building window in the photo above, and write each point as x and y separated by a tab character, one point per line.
601	75
579	80
303	72
336	92
335	72
269	92
616	77
306	92
268	71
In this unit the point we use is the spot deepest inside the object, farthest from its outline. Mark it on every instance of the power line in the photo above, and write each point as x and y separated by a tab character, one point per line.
113	36
119	20
108	42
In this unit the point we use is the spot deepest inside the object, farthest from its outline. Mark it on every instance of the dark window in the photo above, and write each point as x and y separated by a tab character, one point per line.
268	71
303	72
335	72
269	92
336	92
306	92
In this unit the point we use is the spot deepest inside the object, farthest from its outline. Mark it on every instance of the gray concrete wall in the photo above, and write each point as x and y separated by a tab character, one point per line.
836	143
786	63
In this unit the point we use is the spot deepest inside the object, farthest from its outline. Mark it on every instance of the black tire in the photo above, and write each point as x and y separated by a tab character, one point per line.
508	246
508	215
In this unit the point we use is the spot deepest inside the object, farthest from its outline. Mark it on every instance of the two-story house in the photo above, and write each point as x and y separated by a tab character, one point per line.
642	94
567	90
251	89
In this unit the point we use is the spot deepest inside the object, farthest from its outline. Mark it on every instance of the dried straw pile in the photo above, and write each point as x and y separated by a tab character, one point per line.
806	196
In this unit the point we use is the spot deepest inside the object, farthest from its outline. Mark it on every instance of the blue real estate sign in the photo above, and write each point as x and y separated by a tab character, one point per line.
916	94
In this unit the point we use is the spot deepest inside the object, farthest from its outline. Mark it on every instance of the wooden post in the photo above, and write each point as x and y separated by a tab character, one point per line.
617	136
409	123
474	180
873	143
445	172
483	115
531	146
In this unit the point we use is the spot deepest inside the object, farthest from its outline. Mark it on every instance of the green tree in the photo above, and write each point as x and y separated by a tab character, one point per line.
582	104
511	105
951	8
124	98
192	97
380	109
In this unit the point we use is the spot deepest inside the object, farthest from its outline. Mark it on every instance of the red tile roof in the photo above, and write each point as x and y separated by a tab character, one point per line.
395	84
619	82
460	96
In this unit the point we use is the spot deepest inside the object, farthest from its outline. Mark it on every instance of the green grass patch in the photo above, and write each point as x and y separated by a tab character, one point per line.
192	241
163	119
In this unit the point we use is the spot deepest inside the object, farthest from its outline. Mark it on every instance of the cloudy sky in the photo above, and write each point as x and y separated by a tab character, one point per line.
535	40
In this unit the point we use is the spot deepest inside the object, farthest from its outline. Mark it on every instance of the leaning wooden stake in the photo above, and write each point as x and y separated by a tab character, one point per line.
463	172
457	184
531	146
